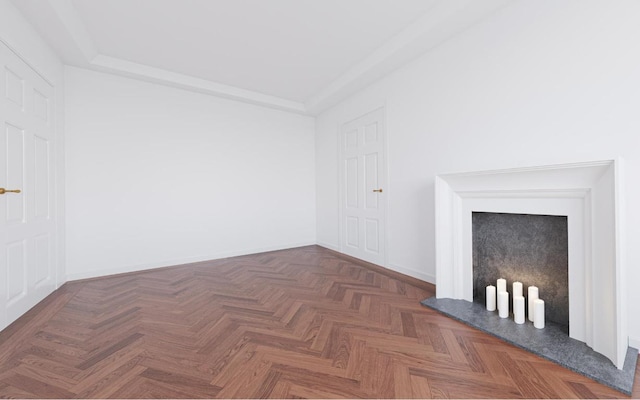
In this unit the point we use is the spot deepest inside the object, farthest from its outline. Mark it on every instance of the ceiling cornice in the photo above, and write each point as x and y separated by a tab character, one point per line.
63	28
68	16
60	26
181	81
65	31
439	24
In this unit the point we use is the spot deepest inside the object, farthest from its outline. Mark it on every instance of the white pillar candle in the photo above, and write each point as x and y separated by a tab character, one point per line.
538	305
533	295
491	298
501	286
517	289
518	309
503	304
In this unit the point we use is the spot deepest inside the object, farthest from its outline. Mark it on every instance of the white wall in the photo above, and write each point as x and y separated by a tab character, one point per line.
21	37
541	82
160	176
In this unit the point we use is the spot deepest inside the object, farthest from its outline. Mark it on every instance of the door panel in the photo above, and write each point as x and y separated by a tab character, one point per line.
352	182
362	203
14	156
371	133
372	231
16	281
41	184
27	229
371	181
42	253
14	87
352	139
41	106
353	237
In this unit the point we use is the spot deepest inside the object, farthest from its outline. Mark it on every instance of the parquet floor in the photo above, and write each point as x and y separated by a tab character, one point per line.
300	323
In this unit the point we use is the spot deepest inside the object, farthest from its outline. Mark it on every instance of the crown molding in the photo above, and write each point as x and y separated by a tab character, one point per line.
68	16
440	23
181	81
61	26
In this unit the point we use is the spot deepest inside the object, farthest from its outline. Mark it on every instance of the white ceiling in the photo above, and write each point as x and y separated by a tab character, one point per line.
285	48
298	55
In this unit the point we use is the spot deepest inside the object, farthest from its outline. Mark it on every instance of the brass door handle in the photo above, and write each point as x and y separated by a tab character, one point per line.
377	190
3	191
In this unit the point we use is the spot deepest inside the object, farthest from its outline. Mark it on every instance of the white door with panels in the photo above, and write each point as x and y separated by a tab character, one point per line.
27	226
363	199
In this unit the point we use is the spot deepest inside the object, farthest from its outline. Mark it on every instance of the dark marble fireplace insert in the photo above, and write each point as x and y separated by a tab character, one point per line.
532	249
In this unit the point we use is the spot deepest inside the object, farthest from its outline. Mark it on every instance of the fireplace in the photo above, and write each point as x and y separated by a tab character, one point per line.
587	195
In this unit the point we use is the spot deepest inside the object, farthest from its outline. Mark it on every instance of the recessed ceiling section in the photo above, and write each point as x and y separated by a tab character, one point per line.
302	56
285	48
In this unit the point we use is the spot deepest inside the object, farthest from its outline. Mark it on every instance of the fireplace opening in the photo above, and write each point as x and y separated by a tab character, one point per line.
528	248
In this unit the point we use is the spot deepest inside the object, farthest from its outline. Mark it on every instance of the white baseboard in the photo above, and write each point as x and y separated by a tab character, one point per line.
423	276
635	343
392	267
186	260
329	246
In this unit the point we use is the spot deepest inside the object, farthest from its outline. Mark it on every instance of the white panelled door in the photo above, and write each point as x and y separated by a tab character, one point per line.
363	196
27	227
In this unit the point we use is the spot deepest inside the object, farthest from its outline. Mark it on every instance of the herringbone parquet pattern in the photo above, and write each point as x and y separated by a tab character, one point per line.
300	323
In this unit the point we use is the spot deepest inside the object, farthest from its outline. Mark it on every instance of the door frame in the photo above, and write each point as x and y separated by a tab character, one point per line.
382	109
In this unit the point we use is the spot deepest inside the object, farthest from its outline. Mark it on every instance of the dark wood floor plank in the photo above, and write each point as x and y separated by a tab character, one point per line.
110	350
105	382
298	323
37	387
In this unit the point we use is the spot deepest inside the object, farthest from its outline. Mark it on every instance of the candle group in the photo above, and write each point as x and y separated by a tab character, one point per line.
498	296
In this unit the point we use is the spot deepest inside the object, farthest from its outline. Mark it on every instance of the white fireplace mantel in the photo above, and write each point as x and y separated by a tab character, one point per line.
588	194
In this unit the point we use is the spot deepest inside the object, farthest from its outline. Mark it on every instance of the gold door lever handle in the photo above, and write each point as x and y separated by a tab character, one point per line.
377	190
3	191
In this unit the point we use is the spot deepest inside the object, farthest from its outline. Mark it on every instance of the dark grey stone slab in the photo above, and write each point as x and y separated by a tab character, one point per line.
551	343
